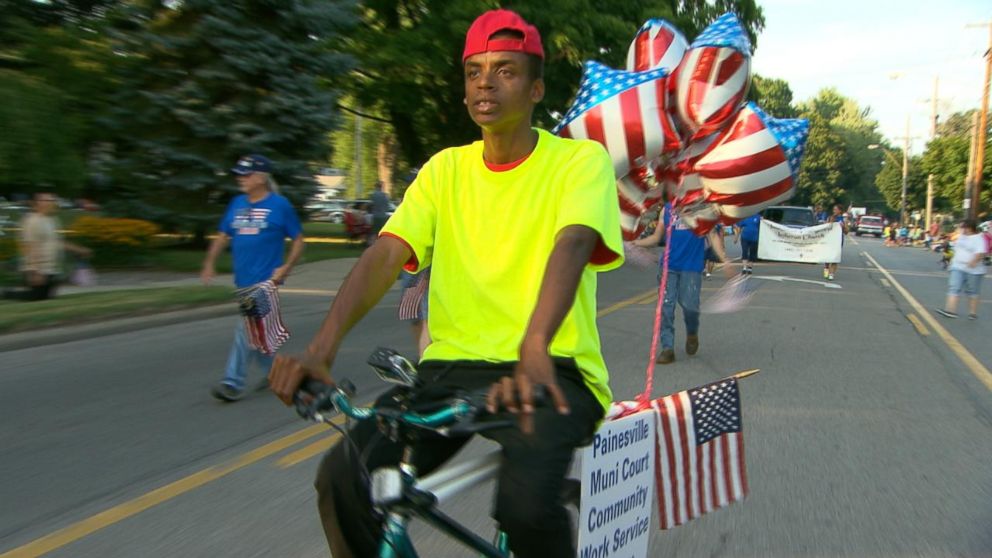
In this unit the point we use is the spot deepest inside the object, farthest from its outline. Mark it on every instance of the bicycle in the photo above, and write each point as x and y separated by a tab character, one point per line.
398	492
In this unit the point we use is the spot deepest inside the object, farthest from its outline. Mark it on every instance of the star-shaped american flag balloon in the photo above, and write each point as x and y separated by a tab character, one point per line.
658	44
624	111
751	165
713	79
709	164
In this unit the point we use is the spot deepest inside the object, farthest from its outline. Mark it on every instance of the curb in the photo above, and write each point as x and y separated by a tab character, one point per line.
66	334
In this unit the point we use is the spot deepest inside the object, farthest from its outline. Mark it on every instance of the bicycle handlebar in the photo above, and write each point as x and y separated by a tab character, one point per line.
457	417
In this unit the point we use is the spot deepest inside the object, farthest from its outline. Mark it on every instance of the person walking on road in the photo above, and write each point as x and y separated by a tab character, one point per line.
685	274
41	248
748	231
830	269
256	224
967	270
379	209
515	228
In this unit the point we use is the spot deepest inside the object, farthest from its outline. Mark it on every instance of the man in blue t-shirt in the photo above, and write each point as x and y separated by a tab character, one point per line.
748	230
685	275
256	224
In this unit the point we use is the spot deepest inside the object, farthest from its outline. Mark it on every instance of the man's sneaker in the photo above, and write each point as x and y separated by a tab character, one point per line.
706	274
226	392
692	344
667	356
830	277
972	316
946	313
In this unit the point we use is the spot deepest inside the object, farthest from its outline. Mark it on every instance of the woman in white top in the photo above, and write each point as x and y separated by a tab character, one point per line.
967	270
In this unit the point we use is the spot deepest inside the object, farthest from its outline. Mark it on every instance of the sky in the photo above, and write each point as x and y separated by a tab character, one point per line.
884	54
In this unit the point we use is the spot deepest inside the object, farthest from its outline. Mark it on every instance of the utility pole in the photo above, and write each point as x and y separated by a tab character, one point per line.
982	126
969	181
933	108
905	173
933	135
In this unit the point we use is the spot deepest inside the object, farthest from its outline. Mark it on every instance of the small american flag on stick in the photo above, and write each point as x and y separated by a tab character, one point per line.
700	457
263	321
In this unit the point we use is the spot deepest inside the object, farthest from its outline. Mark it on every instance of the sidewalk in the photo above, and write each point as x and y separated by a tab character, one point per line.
325	275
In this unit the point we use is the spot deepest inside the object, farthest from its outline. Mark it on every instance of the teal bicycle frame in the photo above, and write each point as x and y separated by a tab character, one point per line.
400	495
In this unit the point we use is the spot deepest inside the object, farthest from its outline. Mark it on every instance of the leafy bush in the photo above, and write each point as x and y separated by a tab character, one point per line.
115	241
8	248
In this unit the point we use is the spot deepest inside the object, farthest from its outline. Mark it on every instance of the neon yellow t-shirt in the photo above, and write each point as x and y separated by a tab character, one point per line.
488	236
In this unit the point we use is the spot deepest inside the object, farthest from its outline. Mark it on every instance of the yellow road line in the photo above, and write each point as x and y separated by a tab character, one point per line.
969	360
920	328
94	523
308	451
886	284
622	304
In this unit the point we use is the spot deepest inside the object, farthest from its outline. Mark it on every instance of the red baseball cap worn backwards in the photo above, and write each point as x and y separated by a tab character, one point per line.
488	24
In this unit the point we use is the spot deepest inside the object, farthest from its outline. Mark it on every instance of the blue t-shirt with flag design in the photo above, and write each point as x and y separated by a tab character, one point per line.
687	249
258	233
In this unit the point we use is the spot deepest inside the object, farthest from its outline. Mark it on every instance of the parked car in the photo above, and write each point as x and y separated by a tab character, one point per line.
869	224
366	201
790	216
332	211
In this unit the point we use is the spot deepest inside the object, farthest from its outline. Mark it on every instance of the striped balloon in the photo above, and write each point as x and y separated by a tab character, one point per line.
749	166
624	111
637	194
658	44
713	79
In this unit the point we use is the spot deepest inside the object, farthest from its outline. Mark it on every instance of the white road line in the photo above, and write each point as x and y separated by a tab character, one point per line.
969	360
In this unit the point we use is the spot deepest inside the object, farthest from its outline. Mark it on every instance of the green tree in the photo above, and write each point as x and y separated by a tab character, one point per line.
822	167
53	82
946	157
373	133
841	167
205	82
425	38
773	95
889	182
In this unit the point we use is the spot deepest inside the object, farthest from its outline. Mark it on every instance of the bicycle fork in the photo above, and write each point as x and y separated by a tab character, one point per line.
395	491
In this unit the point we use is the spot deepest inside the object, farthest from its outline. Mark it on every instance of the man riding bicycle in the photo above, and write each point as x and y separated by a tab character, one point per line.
515	227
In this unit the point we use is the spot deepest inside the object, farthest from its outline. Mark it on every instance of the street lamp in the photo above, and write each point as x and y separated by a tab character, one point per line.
905	176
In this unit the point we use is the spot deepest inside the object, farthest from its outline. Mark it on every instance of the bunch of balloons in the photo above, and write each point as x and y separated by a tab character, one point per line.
675	120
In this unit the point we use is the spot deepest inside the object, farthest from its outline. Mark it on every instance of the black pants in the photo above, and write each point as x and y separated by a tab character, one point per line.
42	291
528	506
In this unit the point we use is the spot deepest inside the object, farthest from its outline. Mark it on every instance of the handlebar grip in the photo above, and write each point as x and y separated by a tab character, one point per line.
319	399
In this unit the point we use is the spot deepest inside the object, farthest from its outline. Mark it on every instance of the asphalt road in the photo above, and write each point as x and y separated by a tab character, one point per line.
866	435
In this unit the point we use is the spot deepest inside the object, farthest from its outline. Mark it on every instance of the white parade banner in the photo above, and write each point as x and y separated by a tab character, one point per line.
618	482
818	244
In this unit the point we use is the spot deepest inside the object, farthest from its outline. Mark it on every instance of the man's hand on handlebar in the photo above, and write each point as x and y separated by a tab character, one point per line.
289	372
516	392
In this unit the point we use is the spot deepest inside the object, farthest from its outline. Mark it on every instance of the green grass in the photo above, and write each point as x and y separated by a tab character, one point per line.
190	260
89	307
318	228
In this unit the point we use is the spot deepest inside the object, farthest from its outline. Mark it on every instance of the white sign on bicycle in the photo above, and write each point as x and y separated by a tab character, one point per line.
618	489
